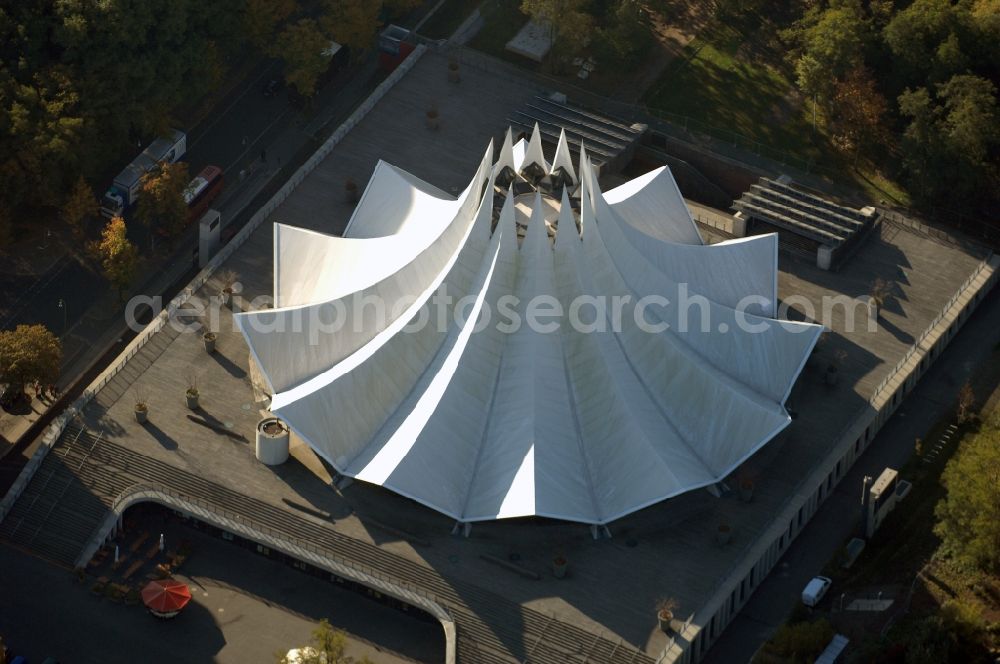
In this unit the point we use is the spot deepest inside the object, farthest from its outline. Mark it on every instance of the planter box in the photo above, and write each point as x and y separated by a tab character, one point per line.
272	441
559	568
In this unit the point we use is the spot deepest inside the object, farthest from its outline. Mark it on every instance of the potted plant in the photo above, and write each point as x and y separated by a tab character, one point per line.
433	119
559	566
665	613
746	489
724	534
877	295
141	406
351	192
453	74
832	370
209	339
228	278
192	391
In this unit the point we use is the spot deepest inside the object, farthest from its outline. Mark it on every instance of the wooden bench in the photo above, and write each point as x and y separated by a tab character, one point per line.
132	569
139	542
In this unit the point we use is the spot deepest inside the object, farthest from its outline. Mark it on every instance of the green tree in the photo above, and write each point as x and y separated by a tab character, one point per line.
397	8
915	34
949	142
80	206
328	646
29	353
802	641
118	256
6	232
628	33
301	46
161	203
971	123
352	23
859	110
262	18
40	127
568	22
830	44
969	514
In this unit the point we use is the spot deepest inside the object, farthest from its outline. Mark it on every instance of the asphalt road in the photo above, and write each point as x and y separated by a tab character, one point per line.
246	124
252	137
932	399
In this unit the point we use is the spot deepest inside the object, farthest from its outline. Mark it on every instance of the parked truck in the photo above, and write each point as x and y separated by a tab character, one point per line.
124	191
202	190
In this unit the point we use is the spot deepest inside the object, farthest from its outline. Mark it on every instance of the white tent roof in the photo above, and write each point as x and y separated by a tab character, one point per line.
483	421
562	159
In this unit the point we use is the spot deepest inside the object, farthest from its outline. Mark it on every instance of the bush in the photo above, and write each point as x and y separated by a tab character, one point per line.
956	633
967	523
800	642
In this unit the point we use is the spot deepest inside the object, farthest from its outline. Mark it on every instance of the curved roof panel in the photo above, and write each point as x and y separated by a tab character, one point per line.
450	402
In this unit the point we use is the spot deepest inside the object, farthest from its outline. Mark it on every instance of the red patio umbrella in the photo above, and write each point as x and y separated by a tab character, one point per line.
165	597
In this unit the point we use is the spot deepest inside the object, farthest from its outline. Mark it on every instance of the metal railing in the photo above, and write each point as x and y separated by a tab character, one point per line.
173	498
930	328
712	221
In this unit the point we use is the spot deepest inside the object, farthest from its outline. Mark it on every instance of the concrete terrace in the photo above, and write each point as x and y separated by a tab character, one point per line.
604	610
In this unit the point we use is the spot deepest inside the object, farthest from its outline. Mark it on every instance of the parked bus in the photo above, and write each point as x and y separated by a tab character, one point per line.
204	189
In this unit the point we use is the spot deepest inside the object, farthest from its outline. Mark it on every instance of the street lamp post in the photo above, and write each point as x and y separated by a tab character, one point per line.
62	305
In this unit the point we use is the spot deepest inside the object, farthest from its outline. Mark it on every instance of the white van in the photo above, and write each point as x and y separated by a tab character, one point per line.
815	590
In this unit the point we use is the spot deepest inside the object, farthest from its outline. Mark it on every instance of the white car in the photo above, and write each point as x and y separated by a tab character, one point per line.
815	590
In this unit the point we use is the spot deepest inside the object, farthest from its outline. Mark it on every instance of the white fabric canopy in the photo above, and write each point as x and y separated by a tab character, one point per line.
483	421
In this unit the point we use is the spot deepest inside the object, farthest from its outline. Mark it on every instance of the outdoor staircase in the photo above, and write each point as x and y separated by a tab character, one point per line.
936	450
62	506
815	220
608	141
72	492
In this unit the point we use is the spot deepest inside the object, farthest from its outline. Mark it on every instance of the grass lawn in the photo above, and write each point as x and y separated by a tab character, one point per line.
729	93
443	23
734	83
